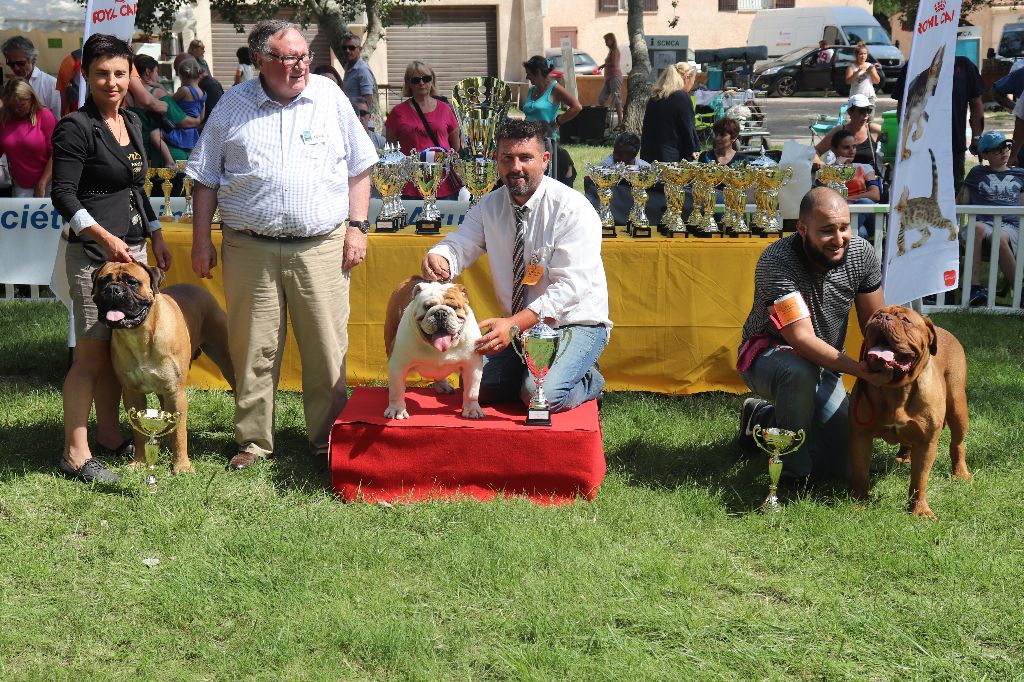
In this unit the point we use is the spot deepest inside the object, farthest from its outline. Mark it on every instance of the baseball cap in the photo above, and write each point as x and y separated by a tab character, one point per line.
993	139
859	101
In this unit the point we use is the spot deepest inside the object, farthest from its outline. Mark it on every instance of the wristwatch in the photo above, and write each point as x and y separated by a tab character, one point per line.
362	225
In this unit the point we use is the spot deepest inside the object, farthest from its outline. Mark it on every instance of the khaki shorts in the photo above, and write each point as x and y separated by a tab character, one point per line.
80	268
612	88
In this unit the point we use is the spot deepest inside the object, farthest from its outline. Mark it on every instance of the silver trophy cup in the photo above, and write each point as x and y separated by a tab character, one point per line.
540	349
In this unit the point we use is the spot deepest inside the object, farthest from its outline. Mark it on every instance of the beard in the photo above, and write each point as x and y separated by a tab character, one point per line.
821	258
526	188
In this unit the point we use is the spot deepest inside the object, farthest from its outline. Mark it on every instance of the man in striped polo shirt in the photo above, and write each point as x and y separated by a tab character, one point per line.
792	351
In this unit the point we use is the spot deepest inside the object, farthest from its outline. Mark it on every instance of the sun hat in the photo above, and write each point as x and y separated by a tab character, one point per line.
993	139
859	101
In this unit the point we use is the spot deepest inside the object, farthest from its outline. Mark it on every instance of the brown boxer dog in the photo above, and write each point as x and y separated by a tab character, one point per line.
156	335
927	391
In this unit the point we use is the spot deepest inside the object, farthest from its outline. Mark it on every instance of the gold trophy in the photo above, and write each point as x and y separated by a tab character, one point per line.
705	180
605	178
675	176
640	179
147	184
835	176
186	184
167	175
776	442
769	178
736	181
479	175
480	103
540	351
390	175
154	424
427	176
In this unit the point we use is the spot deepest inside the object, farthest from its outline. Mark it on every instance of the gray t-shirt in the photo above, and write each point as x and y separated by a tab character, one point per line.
359	81
784	268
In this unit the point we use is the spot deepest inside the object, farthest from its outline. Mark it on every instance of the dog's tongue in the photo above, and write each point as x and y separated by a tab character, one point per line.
442	342
882	353
115	315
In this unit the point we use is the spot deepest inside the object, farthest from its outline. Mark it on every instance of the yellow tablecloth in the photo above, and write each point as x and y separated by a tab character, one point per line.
678	306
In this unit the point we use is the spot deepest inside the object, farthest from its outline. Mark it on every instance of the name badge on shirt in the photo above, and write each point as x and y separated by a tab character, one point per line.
309	137
534	271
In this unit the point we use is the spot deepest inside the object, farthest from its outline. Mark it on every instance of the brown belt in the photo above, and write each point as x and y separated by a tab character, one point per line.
279	238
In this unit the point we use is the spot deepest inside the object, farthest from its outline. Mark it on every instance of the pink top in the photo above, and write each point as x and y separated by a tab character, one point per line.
28	147
611	64
405	123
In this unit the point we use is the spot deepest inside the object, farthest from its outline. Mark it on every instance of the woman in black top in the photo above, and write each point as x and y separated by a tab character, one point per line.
669	129
99	164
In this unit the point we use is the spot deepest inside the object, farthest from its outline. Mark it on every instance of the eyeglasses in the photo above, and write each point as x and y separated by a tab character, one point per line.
362	112
18	64
416	80
350	48
859	110
291	60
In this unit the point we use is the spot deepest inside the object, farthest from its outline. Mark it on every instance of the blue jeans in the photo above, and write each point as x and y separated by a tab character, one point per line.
865	221
572	380
806	397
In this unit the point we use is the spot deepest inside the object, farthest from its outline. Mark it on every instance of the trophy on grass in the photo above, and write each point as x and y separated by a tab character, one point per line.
640	179
167	175
776	442
540	345
480	103
186	185
769	178
835	176
390	175
153	424
428	172
735	182
675	176
605	178
478	174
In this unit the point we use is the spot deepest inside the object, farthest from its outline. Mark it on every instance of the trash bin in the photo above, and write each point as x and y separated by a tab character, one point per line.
891	134
714	77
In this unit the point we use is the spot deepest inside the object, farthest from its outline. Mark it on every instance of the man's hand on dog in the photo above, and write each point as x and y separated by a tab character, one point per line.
436	269
497	338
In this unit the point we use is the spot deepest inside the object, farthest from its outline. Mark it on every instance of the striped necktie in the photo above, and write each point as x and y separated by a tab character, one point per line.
519	261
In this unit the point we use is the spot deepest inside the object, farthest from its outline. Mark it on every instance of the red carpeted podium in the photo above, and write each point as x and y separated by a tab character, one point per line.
438	454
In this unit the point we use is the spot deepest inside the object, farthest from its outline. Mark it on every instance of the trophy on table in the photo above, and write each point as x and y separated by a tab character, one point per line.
769	178
540	351
835	176
640	179
427	176
478	174
675	176
605	178
167	175
390	175
705	179
480	103
153	424
776	442
735	182
186	185
147	184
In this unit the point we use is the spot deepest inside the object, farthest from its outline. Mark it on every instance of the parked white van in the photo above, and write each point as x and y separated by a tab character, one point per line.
784	30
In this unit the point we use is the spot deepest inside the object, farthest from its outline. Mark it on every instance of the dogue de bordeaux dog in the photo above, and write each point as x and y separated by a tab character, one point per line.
155	336
926	392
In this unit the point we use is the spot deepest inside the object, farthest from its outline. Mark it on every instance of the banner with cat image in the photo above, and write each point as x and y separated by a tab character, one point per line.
922	254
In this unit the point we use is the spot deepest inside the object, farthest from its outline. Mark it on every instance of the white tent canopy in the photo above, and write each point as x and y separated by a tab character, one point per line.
64	15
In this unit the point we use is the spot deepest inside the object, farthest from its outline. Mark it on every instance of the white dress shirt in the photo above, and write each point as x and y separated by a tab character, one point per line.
282	170
563	234
45	87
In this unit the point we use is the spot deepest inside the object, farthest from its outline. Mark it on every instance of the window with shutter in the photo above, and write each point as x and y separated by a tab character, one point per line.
650	5
727	5
607	5
782	4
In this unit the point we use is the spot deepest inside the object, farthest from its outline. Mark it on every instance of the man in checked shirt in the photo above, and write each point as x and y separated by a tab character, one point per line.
288	163
562	273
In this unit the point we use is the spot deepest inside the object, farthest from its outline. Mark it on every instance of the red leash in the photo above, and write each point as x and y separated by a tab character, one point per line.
856	403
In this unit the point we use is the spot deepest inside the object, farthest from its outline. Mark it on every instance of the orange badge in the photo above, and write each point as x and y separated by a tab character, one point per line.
534	272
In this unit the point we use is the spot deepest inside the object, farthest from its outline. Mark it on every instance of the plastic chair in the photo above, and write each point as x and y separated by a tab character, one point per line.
822	124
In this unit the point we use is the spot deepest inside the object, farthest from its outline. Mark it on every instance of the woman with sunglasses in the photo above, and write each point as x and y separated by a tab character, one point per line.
865	133
423	121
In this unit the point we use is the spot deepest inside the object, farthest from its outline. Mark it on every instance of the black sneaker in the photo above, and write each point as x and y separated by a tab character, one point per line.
93	471
125	450
748	413
979	296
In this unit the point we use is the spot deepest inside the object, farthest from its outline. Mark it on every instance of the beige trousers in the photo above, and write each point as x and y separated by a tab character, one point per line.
265	284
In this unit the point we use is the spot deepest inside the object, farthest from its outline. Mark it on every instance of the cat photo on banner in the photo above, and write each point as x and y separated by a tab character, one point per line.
922	250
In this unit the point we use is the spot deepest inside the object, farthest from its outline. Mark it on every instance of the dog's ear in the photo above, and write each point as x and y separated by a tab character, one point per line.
933	337
416	290
156	277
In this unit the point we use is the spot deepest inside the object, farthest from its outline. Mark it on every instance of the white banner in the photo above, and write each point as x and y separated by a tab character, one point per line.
922	251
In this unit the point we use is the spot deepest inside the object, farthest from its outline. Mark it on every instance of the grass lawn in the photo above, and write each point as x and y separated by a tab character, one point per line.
665	576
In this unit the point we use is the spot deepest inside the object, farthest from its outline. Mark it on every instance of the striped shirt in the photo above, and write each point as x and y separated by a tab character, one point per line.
783	268
282	170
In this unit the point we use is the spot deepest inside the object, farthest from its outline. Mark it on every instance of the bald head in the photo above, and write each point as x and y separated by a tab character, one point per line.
820	199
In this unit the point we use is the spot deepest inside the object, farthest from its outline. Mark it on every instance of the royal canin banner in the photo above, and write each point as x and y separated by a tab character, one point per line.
922	254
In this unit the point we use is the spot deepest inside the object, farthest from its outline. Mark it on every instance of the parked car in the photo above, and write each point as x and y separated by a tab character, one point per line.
799	71
583	63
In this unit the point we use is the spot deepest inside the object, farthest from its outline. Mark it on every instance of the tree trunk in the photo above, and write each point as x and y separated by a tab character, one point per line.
639	75
333	22
374	28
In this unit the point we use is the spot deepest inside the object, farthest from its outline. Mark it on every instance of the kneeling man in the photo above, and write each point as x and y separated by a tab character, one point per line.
792	350
543	242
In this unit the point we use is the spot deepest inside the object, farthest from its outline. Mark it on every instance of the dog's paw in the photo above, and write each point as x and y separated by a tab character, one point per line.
443	386
182	467
396	412
473	411
923	511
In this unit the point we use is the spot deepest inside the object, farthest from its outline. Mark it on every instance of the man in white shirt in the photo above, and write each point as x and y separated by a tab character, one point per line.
288	162
558	276
21	55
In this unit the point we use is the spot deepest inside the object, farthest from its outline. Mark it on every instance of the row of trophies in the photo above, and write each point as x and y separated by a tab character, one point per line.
167	176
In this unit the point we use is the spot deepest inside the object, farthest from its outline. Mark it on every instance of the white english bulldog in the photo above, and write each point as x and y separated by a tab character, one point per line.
430	329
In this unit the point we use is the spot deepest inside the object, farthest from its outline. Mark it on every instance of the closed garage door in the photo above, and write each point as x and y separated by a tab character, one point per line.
456	42
226	41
